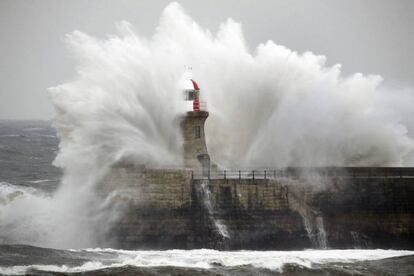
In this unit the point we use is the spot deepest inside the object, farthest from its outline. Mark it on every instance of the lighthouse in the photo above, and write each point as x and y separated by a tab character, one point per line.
192	127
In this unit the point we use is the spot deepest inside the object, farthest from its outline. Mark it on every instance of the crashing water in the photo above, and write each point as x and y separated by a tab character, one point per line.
21	260
125	99
208	203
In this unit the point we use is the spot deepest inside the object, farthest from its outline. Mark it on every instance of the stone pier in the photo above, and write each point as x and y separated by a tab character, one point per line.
360	208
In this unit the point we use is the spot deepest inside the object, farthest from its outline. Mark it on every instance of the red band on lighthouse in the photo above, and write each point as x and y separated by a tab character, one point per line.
196	105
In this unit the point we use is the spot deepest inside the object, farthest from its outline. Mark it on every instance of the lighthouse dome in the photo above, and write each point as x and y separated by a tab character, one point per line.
190	84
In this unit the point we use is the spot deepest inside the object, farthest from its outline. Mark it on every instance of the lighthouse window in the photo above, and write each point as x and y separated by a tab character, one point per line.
197	131
190	96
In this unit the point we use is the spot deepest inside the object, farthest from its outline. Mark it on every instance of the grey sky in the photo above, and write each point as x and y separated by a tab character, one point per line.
371	36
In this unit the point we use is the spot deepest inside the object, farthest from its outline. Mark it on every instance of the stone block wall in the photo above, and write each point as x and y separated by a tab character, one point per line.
151	188
371	212
156	207
260	194
164	210
255	213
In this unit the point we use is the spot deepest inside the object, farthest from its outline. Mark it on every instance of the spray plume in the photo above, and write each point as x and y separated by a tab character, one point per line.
270	108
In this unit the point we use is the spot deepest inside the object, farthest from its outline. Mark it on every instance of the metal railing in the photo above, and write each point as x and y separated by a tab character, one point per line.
299	172
240	174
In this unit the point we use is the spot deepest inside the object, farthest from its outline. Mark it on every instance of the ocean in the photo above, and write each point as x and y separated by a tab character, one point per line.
27	150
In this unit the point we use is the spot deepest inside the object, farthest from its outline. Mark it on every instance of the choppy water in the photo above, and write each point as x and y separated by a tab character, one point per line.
20	259
27	149
26	153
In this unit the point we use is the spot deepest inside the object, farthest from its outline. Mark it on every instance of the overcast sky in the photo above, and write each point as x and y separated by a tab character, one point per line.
371	36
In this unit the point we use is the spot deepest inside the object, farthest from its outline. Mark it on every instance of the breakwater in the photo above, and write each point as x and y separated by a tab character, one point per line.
290	208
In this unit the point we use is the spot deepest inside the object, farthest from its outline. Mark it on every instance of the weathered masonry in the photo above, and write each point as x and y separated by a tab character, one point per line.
360	208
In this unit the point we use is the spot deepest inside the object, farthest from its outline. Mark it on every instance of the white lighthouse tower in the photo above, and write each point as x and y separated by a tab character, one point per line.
192	126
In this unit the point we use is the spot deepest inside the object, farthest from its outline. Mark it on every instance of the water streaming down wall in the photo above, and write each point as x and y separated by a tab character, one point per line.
299	201
321	233
207	198
315	230
312	220
359	241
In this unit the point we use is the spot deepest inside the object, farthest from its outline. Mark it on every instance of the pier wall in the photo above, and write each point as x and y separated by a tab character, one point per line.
360	209
155	207
368	212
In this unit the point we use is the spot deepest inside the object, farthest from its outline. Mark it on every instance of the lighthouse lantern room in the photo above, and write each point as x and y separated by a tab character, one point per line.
192	93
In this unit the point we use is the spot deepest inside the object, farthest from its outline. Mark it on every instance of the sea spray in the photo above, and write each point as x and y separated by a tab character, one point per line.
301	112
270	107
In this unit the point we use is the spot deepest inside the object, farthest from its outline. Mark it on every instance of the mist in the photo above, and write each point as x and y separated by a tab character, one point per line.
269	107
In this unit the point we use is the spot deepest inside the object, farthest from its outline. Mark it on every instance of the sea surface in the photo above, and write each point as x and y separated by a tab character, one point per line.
27	150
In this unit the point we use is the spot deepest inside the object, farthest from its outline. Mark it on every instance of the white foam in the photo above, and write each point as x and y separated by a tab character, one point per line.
205	258
39	181
22	270
9	191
